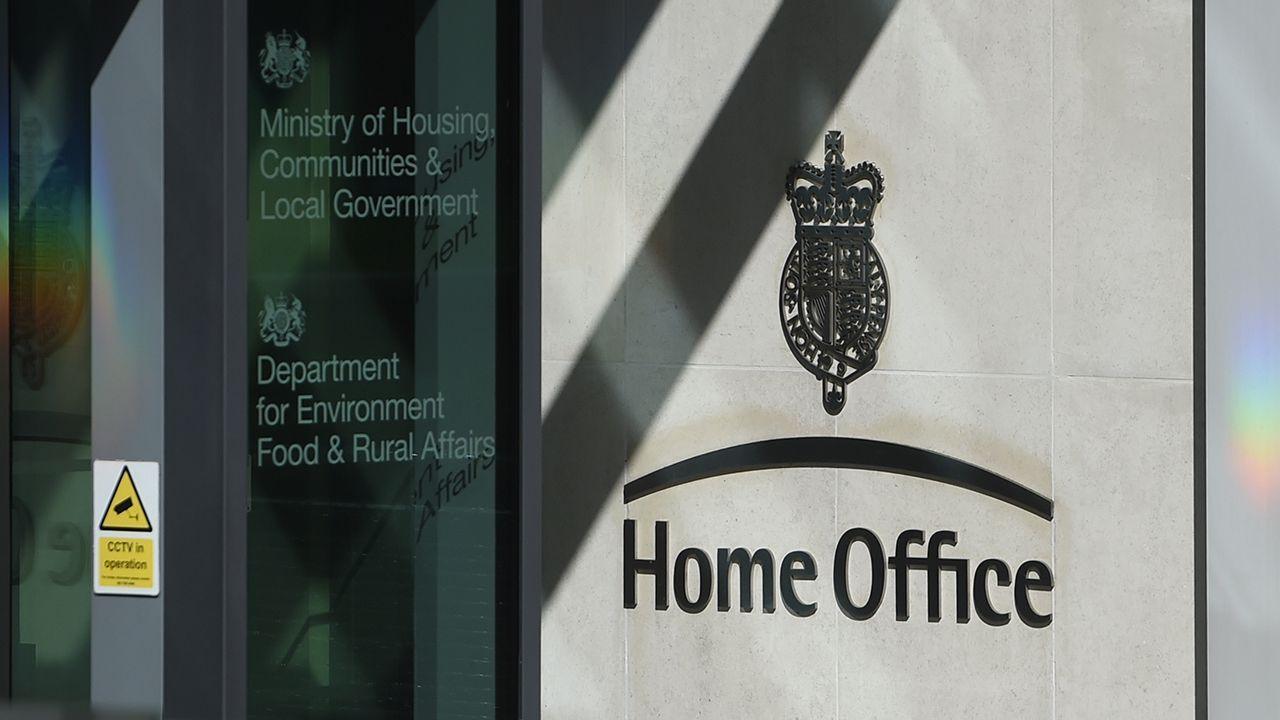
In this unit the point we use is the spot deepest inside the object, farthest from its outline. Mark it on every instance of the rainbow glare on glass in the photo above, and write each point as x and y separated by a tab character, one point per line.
113	278
1255	412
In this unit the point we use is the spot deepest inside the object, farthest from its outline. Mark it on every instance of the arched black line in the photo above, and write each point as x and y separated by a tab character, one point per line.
840	452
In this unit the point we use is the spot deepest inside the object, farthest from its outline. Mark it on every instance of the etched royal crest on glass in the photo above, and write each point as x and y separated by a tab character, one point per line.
834	299
49	276
284	60
282	321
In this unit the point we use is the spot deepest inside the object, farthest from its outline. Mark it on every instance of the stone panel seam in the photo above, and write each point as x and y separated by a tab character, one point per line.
1130	379
624	266
1053	366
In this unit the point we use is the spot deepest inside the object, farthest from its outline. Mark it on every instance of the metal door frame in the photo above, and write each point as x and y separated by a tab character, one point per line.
205	267
209	600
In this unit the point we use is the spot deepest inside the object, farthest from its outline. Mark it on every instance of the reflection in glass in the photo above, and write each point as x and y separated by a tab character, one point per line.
49	381
374	583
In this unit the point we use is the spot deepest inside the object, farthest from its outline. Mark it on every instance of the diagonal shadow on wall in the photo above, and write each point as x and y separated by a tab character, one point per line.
777	109
606	31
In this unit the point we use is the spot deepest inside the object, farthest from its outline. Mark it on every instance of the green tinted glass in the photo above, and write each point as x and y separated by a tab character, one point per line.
378	580
47	222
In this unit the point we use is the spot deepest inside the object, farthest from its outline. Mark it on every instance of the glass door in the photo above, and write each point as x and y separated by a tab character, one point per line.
382	359
47	225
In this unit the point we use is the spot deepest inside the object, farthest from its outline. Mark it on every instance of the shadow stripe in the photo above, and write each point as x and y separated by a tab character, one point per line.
108	22
843	453
778	107
605	31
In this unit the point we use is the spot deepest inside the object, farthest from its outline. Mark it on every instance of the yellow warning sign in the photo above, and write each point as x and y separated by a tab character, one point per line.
127	541
126	563
125	512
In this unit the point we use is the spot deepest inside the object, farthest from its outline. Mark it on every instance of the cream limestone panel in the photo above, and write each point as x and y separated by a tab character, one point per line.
953	106
915	668
1122	188
677	80
714	120
582	256
1001	423
1125	614
583	211
952	103
678	412
715	664
663	323
583	658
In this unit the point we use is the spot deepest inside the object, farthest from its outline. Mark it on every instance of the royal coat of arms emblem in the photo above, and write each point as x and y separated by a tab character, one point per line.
49	275
834	299
282	321
285	60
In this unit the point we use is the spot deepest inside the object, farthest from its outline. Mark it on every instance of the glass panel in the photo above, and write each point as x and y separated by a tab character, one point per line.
379	263
49	232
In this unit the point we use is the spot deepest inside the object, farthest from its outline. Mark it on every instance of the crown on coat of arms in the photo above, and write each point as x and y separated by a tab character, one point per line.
834	195
834	296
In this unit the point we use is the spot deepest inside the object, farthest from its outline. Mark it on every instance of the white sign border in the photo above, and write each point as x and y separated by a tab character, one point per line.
146	478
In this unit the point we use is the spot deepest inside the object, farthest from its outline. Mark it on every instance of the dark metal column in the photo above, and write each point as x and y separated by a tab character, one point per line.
531	358
6	405
204	359
127	377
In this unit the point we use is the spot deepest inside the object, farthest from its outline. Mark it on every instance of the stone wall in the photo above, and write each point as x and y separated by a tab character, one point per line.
1036	230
